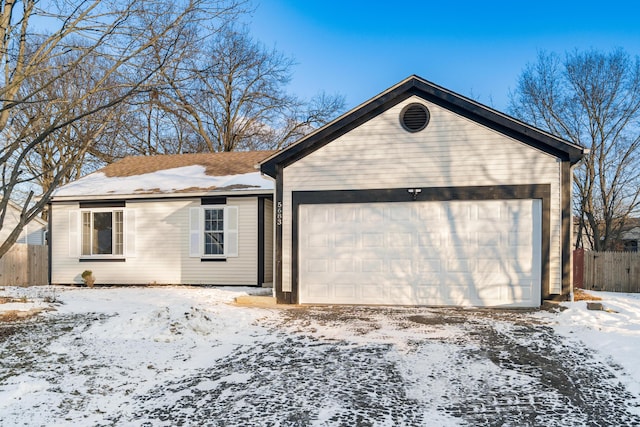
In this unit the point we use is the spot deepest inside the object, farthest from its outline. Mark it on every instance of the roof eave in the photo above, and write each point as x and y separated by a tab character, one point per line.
177	195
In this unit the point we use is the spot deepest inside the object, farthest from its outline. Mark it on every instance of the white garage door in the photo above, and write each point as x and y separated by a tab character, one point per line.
478	253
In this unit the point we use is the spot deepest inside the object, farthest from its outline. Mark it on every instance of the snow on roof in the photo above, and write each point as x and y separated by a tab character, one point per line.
180	173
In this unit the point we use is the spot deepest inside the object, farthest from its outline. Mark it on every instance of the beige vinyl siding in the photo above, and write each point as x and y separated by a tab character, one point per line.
240	270
268	241
451	151
161	248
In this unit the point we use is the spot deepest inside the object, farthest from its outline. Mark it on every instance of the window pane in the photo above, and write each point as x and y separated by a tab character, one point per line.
213	243
213	220
118	234
86	233
102	233
214	231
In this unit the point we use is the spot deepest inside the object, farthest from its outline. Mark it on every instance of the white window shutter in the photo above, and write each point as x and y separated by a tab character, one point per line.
74	234
231	231
195	235
130	232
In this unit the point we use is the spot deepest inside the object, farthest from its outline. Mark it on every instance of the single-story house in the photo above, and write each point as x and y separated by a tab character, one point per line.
33	233
421	196
172	219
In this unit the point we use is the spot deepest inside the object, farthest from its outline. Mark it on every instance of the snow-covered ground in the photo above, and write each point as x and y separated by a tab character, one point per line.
613	333
188	356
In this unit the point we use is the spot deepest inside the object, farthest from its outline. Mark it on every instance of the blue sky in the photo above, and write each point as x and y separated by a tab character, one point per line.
478	49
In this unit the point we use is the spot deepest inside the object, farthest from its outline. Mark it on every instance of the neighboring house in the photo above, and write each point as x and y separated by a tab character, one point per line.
627	240
630	239
33	233
422	196
173	219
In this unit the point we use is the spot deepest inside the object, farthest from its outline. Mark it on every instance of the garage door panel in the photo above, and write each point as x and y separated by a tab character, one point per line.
457	211
401	267
317	290
429	240
459	265
400	212
372	215
490	265
431	253
345	240
520	239
318	216
494	239
372	265
430	212
485	212
346	214
460	239
429	266
428	293
318	241
372	240
347	265
400	240
345	290
317	265
456	295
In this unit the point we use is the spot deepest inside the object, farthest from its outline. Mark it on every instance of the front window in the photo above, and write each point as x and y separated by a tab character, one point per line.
214	231
102	232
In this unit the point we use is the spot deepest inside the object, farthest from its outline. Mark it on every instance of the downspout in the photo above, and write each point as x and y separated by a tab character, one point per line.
48	243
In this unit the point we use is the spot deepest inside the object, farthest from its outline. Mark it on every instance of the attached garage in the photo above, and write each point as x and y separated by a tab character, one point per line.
423	197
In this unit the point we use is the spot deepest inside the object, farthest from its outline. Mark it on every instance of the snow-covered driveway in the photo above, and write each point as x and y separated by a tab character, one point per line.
185	356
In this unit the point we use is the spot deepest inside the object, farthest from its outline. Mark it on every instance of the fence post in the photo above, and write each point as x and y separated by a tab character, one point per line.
578	268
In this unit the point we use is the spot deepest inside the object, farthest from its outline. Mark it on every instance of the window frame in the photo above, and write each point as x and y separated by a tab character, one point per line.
114	232
204	232
197	236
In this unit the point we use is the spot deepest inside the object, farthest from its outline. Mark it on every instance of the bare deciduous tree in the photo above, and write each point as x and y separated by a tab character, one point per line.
592	99
59	88
235	98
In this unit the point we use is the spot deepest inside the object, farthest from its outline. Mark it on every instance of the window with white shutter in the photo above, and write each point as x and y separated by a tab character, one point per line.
213	232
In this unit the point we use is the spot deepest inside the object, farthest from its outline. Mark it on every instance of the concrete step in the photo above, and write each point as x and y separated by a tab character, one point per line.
256	300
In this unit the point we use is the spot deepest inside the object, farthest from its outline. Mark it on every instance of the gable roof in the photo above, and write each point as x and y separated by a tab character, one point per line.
201	173
438	95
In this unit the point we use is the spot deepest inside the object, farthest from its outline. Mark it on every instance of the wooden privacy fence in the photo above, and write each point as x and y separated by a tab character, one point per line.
25	265
612	271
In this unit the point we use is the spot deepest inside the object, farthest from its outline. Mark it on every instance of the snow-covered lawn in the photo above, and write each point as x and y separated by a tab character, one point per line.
188	356
613	333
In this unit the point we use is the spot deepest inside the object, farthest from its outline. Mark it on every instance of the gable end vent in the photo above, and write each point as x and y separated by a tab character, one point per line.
414	117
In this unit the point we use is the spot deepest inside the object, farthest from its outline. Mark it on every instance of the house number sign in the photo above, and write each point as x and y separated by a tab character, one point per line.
279	213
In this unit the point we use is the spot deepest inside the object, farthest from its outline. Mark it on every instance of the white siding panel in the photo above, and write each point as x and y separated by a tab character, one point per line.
451	151
162	248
